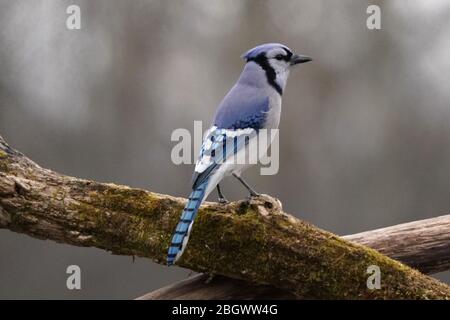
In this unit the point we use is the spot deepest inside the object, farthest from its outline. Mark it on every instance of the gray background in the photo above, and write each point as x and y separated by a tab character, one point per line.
365	135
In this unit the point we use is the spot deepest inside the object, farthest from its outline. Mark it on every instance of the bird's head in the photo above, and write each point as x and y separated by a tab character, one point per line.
276	59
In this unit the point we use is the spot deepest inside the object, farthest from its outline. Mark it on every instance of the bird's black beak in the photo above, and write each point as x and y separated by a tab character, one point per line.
297	59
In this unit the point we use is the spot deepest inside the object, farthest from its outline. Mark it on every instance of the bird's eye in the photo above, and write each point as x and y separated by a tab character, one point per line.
279	57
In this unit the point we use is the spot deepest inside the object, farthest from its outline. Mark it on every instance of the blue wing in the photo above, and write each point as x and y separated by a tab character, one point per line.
243	107
240	115
218	146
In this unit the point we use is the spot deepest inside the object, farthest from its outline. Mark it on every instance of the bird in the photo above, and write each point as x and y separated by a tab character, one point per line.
252	104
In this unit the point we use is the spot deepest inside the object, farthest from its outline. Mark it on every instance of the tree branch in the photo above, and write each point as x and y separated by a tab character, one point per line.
424	245
203	287
256	242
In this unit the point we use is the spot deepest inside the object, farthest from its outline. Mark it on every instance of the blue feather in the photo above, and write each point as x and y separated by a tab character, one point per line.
182	231
219	152
254	52
246	110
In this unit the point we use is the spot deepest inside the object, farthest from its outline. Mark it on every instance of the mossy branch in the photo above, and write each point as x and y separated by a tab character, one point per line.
424	244
256	242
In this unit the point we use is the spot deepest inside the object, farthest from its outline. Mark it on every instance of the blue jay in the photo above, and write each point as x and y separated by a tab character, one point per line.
253	103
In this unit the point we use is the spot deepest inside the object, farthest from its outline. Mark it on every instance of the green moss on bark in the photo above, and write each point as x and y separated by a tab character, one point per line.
240	242
253	241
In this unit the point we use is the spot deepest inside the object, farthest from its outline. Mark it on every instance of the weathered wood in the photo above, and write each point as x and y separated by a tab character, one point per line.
424	245
202	287
254	241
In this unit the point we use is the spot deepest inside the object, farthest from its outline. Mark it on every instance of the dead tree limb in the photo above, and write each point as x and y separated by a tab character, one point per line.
424	245
256	242
203	287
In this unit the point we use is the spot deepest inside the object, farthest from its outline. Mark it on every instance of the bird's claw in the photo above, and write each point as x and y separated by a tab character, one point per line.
252	196
223	201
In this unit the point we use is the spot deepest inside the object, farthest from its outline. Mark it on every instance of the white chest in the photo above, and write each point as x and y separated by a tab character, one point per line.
274	113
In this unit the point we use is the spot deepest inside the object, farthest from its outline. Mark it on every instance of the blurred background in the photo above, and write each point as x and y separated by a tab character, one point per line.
365	134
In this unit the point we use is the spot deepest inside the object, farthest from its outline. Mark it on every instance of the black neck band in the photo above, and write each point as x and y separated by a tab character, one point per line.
270	72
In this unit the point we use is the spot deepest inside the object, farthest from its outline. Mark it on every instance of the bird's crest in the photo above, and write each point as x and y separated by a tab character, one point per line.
256	51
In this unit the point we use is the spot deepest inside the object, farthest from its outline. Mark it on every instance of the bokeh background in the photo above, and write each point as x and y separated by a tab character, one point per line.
365	134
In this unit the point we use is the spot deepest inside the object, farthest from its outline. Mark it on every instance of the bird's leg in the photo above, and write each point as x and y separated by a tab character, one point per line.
253	193
222	198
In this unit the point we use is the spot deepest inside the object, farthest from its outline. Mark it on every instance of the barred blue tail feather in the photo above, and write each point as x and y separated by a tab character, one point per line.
184	226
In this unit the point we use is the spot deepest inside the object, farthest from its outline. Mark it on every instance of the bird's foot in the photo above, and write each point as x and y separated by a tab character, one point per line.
223	200
253	194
